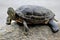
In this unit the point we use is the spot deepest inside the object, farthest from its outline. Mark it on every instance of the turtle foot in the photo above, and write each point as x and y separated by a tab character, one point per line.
8	23
55	31
26	33
53	26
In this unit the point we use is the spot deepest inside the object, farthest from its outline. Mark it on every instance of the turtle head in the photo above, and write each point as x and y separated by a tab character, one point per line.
11	12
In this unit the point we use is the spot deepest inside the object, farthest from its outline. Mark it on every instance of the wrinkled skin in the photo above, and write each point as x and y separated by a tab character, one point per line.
32	14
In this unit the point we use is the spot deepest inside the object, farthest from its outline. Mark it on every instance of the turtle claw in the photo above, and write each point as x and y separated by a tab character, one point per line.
8	23
55	31
26	33
26	30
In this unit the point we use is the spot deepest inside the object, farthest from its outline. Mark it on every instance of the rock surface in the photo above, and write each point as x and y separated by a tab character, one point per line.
16	32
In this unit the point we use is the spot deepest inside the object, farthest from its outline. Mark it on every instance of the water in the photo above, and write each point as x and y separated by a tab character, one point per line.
53	5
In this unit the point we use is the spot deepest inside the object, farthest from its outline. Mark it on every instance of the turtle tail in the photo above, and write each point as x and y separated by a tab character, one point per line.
56	20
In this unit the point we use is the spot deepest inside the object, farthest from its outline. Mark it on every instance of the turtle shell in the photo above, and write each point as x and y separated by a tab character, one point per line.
34	14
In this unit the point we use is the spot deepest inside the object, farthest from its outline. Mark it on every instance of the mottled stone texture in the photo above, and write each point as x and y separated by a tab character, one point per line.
15	32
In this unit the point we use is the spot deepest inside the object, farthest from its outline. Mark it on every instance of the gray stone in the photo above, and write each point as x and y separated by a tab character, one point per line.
15	32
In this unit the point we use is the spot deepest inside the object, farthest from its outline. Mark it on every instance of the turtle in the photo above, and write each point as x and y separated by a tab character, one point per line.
32	14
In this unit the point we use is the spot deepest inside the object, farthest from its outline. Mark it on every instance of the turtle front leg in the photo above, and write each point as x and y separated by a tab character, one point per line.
53	26
26	29
8	22
25	26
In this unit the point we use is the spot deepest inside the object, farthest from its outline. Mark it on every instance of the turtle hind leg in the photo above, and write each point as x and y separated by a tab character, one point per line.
53	26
